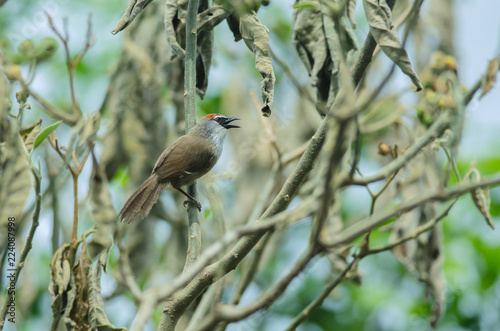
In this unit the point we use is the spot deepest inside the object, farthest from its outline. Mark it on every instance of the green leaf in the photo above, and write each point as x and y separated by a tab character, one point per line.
45	133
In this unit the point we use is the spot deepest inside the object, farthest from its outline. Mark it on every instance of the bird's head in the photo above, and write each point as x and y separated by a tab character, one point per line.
220	120
213	127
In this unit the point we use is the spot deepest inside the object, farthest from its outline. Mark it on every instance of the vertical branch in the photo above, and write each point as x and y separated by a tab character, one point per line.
194	232
74	233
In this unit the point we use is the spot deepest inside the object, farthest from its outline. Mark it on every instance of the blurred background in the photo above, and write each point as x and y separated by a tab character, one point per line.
389	296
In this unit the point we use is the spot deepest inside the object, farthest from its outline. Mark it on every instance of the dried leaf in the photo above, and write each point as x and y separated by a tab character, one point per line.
481	197
25	130
15	175
135	7
60	283
210	18
490	76
29	137
423	254
256	37
378	15
364	246
175	27
78	317
482	200
45	133
351	12
89	129
314	33
103	213
97	317
175	11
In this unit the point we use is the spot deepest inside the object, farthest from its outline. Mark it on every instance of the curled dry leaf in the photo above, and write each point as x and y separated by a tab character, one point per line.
256	37
314	33
29	134
60	288
490	76
78	317
351	12
481	197
97	317
423	254
210	18
135	7
175	28
89	128
76	292
15	175
378	15
103	213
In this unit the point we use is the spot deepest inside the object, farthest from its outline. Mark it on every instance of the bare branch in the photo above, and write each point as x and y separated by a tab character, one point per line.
378	218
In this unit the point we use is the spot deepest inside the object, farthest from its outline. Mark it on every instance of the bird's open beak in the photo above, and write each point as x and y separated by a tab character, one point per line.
229	120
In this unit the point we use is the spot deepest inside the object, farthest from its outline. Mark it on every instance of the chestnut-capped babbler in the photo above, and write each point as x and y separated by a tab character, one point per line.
187	159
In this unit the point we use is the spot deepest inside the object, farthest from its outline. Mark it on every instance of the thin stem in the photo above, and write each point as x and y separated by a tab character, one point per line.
74	233
380	217
226	312
194	230
168	321
418	231
319	300
375	196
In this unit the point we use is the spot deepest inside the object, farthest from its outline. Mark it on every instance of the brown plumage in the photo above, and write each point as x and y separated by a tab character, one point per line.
187	159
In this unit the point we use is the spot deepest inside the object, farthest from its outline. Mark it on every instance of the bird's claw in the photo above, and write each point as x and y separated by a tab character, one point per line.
196	203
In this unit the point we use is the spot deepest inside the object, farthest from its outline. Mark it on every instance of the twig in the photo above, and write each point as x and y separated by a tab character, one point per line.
418	231
126	272
75	173
72	63
437	128
225	312
268	128
319	300
366	54
357	148
376	195
272	222
452	162
293	155
146	305
301	89
378	218
247	275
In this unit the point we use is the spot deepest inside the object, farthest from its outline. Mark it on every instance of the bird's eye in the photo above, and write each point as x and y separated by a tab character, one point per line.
218	119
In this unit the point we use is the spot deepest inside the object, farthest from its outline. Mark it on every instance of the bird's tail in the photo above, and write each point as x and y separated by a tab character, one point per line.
141	200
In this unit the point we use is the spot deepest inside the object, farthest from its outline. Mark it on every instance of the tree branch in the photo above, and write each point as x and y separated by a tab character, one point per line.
319	300
226	312
378	218
194	229
437	129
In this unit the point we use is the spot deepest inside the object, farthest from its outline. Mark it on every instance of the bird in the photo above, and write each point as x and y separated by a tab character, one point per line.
187	159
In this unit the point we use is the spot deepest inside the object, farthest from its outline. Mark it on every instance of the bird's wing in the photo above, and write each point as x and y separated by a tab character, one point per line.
193	157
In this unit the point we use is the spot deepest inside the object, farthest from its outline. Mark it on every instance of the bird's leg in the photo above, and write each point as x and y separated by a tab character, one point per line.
190	197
